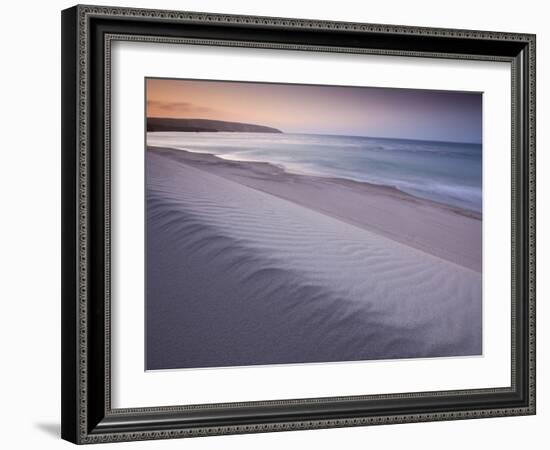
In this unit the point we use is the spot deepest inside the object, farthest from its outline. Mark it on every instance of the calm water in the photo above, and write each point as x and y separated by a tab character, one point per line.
446	172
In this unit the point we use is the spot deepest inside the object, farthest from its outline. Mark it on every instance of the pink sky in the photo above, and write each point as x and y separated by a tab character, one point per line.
365	111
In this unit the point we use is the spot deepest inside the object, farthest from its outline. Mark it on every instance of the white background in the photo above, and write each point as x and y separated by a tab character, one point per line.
30	234
132	387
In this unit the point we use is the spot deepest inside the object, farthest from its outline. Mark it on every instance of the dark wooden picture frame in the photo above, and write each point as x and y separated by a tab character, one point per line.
87	34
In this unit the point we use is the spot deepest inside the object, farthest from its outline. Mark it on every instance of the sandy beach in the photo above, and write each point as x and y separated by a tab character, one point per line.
248	264
450	233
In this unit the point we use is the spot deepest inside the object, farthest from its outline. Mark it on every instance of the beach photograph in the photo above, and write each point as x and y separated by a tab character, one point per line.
294	223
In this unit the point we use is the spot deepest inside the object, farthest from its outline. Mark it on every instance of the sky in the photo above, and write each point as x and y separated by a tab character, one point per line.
342	110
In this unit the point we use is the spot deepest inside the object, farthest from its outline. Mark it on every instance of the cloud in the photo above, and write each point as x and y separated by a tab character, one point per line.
186	108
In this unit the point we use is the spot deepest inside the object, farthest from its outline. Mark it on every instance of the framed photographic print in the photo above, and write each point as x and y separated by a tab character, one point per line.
280	224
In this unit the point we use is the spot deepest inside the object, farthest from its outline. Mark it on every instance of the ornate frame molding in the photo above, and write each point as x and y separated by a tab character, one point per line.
78	425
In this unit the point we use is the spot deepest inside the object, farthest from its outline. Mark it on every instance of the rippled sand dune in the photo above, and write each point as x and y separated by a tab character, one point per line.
237	276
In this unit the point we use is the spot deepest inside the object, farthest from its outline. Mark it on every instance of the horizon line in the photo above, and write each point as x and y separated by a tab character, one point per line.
304	133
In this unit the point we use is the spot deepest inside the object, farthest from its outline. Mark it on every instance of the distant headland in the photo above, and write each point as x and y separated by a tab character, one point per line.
205	125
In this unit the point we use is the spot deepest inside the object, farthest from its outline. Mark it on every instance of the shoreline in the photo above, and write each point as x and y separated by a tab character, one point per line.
196	158
445	231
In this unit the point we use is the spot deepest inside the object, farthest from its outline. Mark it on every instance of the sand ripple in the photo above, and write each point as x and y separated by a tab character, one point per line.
236	276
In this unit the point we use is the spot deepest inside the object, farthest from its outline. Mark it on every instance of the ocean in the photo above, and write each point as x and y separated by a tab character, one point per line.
446	172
